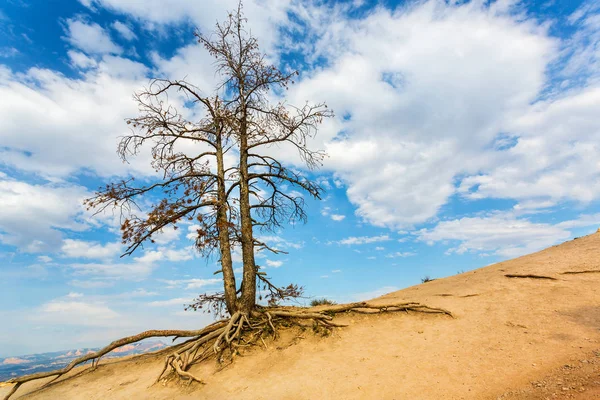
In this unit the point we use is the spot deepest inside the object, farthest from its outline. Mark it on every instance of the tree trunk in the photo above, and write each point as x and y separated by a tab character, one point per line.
229	285
247	299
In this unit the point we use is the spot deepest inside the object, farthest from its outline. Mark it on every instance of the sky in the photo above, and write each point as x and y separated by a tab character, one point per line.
466	133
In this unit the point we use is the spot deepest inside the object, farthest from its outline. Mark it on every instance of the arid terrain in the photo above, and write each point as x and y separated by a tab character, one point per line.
528	328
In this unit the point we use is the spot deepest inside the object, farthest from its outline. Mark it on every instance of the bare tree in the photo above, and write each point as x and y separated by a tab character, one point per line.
228	203
257	125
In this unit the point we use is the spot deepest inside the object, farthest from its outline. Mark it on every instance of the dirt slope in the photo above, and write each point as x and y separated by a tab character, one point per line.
513	338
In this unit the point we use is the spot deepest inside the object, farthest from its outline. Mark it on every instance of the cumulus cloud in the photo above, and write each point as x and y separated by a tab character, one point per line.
407	117
56	126
80	60
169	234
83	249
90	37
124	30
274	263
554	159
264	15
33	215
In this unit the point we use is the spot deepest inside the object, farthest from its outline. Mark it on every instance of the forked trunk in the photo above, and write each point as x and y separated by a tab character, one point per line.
247	299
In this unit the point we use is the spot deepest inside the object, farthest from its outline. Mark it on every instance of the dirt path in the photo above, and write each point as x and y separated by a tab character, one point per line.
520	337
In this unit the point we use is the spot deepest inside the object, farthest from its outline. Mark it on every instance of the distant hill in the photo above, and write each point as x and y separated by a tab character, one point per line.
32	363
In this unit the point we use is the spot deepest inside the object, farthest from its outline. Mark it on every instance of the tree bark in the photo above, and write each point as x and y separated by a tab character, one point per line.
247	299
229	285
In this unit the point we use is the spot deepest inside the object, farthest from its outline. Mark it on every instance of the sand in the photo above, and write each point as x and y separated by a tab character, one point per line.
512	338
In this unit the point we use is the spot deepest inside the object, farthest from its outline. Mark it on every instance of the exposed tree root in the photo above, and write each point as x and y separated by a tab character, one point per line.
224	338
590	271
530	276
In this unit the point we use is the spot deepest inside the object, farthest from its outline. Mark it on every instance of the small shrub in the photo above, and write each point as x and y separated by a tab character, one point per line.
426	279
322	302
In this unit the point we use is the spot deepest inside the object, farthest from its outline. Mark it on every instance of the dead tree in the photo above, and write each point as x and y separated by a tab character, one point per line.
227	202
258	125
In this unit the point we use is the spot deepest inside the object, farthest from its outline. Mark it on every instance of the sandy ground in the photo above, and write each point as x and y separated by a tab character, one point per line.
512	338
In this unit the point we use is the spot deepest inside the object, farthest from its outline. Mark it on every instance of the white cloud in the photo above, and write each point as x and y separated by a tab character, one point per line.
124	30
8	52
274	264
379	248
138	270
83	249
75	312
169	234
354	240
150	256
401	254
184	254
55	126
139	293
583	220
80	60
179	301
554	160
410	116
31	215
502	234
189	284
582	48
44	259
263	15
92	283
90	37
337	217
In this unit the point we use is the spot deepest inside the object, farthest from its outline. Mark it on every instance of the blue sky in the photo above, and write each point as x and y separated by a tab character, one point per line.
466	133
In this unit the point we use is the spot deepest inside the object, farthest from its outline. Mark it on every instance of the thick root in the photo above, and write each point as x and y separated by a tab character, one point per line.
228	335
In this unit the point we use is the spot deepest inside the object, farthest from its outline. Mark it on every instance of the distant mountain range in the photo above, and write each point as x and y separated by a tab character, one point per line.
11	367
